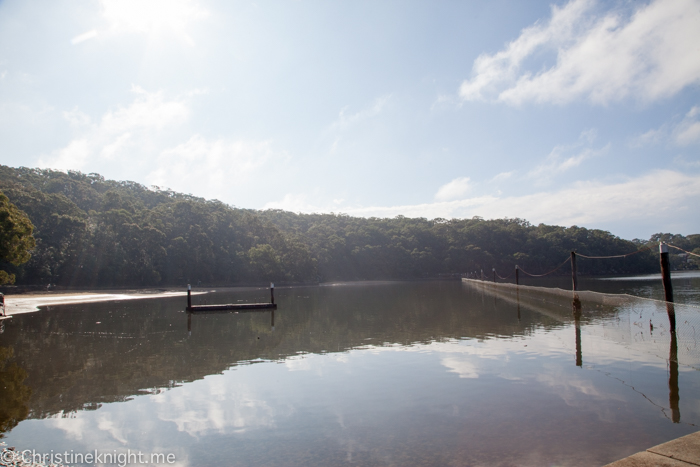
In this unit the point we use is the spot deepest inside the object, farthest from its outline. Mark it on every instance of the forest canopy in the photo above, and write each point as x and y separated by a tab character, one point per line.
16	240
93	232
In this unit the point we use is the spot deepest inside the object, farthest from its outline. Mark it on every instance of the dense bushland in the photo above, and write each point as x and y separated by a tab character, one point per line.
92	232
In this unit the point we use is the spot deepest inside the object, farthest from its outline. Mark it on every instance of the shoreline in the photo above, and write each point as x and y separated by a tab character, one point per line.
31	302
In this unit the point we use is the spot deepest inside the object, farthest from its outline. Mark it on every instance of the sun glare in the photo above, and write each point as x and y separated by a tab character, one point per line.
152	16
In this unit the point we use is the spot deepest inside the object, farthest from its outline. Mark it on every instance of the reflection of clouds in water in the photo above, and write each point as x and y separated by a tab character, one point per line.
315	363
72	426
470	358
274	395
113	427
297	363
218	405
106	423
464	368
570	388
567	385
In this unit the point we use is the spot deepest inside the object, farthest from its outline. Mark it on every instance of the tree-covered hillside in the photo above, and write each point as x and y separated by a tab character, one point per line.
94	232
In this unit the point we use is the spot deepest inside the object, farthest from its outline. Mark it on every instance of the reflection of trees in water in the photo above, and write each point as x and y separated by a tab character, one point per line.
81	356
14	402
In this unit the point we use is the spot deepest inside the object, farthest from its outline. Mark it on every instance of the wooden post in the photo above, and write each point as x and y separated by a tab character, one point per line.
189	296
272	292
666	272
494	274
574	279
668	288
517	275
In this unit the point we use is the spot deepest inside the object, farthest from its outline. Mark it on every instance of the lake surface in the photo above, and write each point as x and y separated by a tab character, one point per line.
366	374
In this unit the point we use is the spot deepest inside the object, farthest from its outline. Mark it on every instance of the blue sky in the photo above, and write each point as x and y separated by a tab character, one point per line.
579	112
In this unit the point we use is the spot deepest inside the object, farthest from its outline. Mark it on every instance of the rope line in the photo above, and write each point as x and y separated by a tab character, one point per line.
677	248
615	256
505	278
648	247
547	273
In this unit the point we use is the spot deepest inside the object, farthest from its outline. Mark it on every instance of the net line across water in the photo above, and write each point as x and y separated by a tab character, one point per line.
635	322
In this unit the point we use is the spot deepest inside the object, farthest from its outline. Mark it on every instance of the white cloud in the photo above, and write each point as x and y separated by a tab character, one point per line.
653	198
502	176
215	165
688	132
299	202
83	37
127	132
149	136
74	156
653	136
684	162
566	157
683	133
346	120
648	55
455	189
77	119
149	111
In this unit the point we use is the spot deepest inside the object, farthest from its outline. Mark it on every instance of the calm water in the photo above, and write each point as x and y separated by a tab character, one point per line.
385	374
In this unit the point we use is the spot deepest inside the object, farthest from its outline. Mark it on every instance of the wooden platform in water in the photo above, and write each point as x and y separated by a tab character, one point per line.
232	307
5	317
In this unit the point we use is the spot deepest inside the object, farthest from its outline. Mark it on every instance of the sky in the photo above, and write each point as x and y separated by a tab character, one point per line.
577	112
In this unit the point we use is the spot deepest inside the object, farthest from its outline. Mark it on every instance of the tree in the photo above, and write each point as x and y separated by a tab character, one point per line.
16	240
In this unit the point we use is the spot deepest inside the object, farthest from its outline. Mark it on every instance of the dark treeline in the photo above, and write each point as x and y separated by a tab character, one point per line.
92	232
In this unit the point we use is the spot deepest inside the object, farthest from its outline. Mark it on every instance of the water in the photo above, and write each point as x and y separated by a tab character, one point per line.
371	374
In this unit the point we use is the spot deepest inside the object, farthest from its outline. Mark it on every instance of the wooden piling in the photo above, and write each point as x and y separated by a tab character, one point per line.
494	274
668	288
189	296
517	275
272	292
574	278
665	272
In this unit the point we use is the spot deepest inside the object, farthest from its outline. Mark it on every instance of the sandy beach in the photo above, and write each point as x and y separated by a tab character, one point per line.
27	303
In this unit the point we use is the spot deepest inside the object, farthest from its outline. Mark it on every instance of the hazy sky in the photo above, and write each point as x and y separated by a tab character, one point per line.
577	112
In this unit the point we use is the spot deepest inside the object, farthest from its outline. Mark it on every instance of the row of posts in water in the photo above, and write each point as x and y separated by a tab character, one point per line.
665	278
665	272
